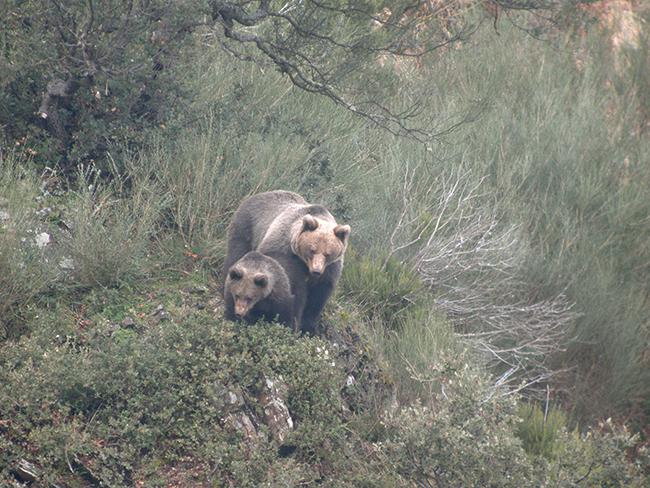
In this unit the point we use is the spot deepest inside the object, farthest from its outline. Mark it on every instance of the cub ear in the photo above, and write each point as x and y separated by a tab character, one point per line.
236	274
342	232
309	223
261	280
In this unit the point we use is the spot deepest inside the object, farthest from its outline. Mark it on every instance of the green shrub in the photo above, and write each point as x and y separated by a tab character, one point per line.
115	409
470	436
383	291
599	457
540	432
464	438
419	352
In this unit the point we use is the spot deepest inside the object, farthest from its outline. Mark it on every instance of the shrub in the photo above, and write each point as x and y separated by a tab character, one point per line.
383	291
470	436
116	410
464	439
599	457
540	431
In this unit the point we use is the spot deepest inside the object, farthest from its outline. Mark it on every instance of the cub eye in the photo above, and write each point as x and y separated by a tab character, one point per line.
260	281
235	275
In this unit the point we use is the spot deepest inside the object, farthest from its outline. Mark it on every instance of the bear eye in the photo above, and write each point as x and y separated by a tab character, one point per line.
260	281
235	275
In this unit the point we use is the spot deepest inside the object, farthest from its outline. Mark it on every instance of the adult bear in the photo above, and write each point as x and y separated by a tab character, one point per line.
303	238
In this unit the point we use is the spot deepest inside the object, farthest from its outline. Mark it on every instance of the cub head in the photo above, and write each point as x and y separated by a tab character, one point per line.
247	287
319	243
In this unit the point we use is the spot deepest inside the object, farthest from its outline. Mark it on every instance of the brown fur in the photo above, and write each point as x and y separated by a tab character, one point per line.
257	288
320	243
303	238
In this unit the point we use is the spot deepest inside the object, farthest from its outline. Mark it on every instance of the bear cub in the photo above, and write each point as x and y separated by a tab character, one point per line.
257	287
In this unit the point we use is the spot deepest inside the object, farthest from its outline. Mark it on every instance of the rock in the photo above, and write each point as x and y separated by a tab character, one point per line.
66	264
241	423
26	471
4	216
160	314
42	239
44	212
276	413
228	398
232	396
197	290
65	225
200	305
128	323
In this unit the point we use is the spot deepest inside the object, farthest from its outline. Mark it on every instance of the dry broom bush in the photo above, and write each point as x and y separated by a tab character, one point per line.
475	265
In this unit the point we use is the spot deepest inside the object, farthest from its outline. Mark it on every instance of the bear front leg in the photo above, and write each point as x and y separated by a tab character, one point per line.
286	314
316	299
299	301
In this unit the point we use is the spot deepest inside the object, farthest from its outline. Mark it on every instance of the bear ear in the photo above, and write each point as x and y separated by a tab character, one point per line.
261	280
235	274
342	232
309	223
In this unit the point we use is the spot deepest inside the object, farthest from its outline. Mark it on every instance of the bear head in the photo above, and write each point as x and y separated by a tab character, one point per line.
247	288
319	243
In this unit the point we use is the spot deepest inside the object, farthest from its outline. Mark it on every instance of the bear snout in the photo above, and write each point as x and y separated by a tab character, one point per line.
317	265
241	308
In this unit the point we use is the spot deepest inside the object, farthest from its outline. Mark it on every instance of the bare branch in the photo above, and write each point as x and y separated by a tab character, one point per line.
474	265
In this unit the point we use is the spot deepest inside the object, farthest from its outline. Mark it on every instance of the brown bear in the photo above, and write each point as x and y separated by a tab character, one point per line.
257	288
303	238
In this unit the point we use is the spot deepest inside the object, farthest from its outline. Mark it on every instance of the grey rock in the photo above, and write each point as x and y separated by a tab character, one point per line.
66	264
26	471
42	239
160	314
241	423
128	323
197	290
44	212
276	412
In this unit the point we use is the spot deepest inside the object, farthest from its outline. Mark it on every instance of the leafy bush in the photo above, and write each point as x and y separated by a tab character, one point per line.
467	443
468	434
599	457
81	79
114	409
